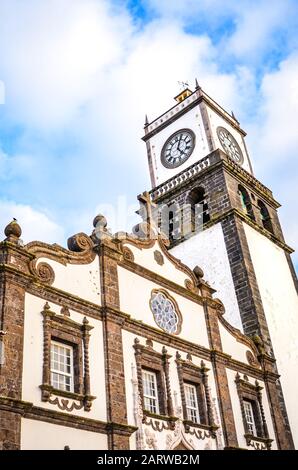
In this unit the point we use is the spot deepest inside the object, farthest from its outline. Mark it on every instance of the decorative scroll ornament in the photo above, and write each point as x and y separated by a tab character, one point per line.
128	254
45	273
158	425
80	252
63	404
189	285
251	359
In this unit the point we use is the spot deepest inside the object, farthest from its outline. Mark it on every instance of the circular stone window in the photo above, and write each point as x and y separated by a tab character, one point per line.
165	311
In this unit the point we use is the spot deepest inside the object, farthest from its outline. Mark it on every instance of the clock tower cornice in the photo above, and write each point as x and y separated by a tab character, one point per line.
179	109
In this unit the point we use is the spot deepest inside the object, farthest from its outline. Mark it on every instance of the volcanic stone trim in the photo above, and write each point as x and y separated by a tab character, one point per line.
12	298
248	295
19	408
113	348
219	363
245	282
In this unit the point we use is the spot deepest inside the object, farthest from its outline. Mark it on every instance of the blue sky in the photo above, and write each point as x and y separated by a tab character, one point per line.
78	76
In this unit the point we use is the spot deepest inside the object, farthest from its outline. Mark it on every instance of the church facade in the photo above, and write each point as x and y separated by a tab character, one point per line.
180	335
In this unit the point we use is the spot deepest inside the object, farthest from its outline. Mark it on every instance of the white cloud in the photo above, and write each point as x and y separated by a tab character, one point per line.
252	24
36	225
53	55
274	141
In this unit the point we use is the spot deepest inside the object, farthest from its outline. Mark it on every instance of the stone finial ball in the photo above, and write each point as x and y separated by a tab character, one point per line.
198	272
100	221
13	229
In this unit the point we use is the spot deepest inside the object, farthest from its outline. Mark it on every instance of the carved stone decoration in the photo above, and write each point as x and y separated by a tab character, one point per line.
80	252
219	435
79	243
158	425
189	285
128	254
65	311
220	307
258	443
201	433
45	273
159	257
178	437
149	343
63	404
251	359
151	440
138	410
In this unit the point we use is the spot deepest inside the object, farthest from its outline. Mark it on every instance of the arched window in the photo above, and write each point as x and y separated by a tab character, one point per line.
198	208
246	202
169	221
266	221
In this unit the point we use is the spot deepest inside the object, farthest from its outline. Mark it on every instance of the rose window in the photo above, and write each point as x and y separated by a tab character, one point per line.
165	312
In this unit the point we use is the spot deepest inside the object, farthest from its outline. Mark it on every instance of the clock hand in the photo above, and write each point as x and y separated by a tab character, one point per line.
178	147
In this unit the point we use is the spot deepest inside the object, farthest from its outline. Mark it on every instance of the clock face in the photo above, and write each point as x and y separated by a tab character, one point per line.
178	148
230	145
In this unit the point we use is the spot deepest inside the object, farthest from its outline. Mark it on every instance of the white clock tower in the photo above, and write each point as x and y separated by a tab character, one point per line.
206	127
197	156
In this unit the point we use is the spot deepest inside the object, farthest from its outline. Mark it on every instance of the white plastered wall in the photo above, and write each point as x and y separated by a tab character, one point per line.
135	294
207	249
130	375
81	280
280	303
33	358
190	120
231	375
38	435
145	258
231	346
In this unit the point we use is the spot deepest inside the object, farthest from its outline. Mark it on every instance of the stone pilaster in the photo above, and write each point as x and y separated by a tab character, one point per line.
114	362
13	261
220	375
